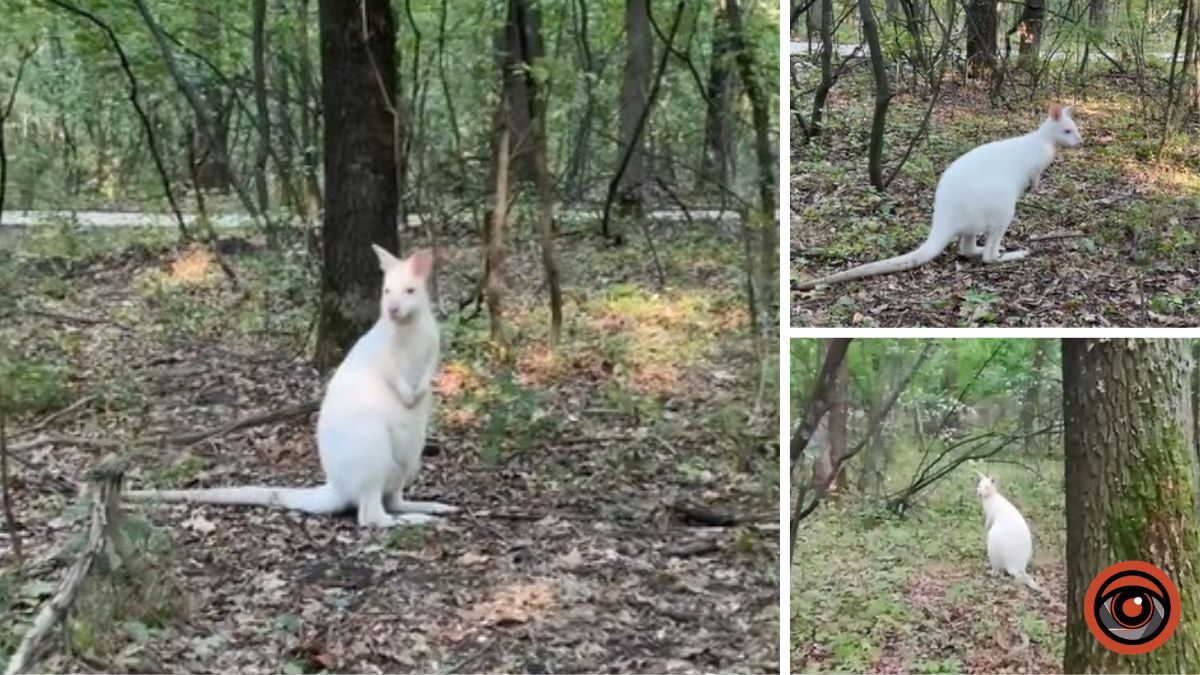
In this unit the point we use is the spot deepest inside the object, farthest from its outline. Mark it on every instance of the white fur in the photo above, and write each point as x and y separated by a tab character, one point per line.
977	195
1009	541
373	420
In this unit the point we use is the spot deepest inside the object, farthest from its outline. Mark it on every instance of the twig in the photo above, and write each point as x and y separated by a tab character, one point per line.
55	416
107	480
289	412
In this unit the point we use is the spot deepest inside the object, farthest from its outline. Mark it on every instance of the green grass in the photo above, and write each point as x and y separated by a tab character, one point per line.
872	591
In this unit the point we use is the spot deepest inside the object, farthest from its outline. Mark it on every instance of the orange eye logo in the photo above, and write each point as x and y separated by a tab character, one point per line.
1131	607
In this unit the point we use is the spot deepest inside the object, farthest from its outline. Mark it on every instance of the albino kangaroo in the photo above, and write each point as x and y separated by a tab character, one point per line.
977	195
1009	542
373	419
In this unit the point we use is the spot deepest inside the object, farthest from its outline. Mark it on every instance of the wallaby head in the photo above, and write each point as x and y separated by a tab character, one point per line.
1060	126
986	487
404	283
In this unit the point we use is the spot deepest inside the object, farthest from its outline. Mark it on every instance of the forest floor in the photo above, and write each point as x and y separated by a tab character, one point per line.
1114	237
569	555
872	592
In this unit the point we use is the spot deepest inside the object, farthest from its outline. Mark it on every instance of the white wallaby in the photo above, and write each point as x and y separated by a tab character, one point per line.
977	195
1009	542
373	420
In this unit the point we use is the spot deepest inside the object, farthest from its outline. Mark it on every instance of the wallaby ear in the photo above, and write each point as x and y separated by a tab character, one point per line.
421	262
386	260
1069	111
1055	112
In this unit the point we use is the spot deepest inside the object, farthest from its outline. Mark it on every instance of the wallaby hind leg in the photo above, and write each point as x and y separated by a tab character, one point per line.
992	254
395	503
968	247
371	512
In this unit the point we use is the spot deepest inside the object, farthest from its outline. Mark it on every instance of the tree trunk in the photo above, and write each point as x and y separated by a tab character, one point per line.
953	416
211	172
529	46
309	126
883	94
837	424
361	199
635	96
1098	12
764	146
1196	396
717	159
1033	387
1130	487
497	215
1029	32
520	105
263	148
981	37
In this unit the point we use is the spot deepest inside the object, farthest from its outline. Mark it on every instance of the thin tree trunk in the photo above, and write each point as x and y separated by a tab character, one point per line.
883	94
717	157
838	424
497	218
263	149
309	127
530	49
1031	403
764	145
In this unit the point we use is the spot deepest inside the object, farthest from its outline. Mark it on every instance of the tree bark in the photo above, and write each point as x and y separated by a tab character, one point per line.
1029	32
837	424
764	146
635	97
529	47
263	148
361	199
309	125
883	94
1031	403
982	20
1130	487
717	161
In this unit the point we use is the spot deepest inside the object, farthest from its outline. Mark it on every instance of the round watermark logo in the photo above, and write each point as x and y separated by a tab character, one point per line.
1132	607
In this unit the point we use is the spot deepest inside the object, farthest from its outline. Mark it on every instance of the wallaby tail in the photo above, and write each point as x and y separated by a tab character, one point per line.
315	500
931	249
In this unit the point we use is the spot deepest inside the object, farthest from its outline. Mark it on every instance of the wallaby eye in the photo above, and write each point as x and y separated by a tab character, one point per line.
386	290
410	290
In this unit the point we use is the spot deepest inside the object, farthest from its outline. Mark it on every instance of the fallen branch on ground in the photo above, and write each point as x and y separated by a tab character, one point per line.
106	478
182	440
55	416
